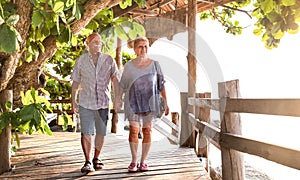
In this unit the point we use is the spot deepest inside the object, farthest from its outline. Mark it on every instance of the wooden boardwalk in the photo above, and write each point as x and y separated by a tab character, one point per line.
60	157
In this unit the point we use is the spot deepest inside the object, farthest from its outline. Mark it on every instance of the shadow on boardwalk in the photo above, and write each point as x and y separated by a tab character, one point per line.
60	157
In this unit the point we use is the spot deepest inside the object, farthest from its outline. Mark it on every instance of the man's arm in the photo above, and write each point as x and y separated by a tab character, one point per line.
75	86
118	93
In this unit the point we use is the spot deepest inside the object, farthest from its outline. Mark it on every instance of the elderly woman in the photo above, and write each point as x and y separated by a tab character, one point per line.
143	83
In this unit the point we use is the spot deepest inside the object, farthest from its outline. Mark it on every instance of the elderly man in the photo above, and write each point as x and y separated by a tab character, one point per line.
91	75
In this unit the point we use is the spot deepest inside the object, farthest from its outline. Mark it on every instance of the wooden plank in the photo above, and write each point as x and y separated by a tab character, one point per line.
281	155
60	157
284	107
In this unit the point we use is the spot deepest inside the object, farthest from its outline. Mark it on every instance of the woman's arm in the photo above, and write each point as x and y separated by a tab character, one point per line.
163	94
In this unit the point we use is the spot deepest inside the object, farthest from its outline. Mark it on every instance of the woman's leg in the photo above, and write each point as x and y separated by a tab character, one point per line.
133	139
146	143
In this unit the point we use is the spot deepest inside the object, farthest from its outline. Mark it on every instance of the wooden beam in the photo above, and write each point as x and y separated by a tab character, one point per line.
284	107
281	155
144	12
213	104
159	4
209	131
192	63
117	11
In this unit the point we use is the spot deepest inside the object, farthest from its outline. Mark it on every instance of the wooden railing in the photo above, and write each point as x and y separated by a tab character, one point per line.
228	138
61	106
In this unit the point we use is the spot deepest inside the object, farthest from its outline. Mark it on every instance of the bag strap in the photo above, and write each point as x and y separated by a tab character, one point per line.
155	66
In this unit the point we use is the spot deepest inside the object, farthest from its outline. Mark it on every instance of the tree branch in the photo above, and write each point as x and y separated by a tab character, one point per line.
236	9
56	78
91	9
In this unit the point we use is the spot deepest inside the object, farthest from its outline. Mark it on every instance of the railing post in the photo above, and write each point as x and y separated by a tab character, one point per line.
203	143
5	136
175	118
187	129
232	161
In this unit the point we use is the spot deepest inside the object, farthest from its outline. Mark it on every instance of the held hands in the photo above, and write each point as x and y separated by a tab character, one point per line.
75	107
118	104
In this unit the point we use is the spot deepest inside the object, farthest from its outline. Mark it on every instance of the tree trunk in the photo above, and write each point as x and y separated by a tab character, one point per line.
5	136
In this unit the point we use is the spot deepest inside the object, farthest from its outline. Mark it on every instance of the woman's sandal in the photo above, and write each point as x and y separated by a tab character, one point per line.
132	167
87	167
97	163
143	167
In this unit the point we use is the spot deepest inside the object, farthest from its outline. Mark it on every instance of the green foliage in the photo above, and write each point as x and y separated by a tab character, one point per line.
127	57
30	118
275	18
225	15
127	3
9	35
58	90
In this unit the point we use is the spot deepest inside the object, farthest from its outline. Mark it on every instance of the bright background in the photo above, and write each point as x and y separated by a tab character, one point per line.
262	73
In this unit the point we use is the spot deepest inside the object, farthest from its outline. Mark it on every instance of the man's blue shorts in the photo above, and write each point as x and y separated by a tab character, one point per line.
93	119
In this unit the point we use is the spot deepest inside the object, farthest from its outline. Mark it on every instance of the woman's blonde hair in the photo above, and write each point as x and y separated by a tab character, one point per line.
139	39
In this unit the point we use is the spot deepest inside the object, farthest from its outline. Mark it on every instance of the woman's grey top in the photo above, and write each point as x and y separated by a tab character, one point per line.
142	87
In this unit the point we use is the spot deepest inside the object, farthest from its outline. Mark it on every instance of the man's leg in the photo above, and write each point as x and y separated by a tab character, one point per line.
86	146
101	124
99	141
87	130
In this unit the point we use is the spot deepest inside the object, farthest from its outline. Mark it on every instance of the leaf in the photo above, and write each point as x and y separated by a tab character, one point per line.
77	12
120	33
4	121
69	3
48	130
288	2
139	29
267	6
13	19
33	94
74	40
37	117
58	7
26	113
1	20
18	139
37	18
8	39
132	34
8	105
279	34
